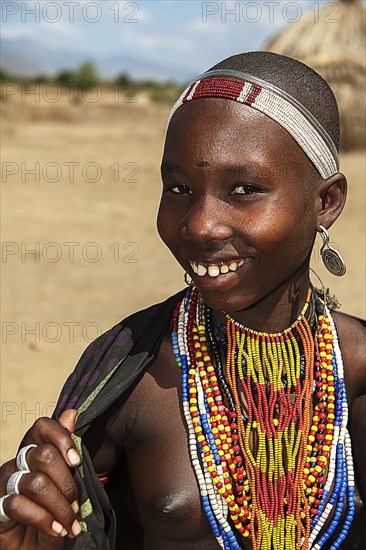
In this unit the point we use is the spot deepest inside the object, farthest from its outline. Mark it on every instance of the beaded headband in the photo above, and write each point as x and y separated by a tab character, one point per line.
273	102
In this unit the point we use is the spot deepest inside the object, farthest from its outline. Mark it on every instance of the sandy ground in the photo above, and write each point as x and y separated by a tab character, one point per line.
78	255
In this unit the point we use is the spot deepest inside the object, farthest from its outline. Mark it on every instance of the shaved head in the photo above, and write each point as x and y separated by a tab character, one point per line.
297	79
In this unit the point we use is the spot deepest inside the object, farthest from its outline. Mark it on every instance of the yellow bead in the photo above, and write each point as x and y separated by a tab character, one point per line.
328	437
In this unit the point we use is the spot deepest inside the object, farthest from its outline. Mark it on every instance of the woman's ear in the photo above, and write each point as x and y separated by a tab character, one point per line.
332	195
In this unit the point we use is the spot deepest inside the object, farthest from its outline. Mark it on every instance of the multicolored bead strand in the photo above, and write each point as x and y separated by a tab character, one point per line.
268	432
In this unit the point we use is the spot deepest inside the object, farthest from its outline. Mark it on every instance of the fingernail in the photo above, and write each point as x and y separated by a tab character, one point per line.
75	506
57	528
73	457
76	528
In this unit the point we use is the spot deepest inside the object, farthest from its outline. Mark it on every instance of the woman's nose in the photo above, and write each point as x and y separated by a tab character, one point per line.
206	220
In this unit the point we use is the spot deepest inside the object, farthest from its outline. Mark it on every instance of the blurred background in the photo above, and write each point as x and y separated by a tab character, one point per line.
86	88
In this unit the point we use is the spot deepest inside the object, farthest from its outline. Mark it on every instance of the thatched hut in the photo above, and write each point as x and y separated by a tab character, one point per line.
332	41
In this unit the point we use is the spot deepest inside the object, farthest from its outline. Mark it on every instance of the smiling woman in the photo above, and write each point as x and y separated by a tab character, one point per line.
220	417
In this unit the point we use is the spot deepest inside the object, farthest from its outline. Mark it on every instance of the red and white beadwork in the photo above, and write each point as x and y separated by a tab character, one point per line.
273	102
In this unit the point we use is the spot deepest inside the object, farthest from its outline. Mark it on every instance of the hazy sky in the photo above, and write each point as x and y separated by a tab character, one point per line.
184	36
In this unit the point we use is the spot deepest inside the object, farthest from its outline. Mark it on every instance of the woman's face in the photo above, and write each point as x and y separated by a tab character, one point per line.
239	203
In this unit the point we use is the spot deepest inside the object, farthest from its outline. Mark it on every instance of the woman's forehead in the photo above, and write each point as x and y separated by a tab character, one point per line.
215	134
218	126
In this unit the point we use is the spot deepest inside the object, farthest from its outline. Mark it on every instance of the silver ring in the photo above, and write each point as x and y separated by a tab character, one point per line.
21	459
4	518
12	486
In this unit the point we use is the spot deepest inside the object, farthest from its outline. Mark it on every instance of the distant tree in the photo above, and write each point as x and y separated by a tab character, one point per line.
123	80
42	78
4	76
86	75
79	80
65	77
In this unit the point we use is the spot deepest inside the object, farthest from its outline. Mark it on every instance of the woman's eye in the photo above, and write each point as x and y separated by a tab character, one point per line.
180	189
244	189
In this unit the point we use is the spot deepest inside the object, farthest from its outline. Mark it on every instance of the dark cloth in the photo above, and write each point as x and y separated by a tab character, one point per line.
106	369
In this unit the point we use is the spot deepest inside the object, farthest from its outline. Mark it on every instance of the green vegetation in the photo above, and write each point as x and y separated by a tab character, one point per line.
87	75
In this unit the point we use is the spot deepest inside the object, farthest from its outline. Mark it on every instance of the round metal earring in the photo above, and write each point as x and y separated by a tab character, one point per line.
332	259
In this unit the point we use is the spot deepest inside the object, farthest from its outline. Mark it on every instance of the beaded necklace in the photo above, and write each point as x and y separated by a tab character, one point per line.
265	427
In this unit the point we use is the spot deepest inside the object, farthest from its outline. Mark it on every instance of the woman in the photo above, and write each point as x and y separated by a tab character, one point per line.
219	417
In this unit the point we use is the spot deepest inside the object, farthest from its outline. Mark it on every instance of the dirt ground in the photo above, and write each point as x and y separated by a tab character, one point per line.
80	191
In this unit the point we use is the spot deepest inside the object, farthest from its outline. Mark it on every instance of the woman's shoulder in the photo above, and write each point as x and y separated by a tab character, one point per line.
352	341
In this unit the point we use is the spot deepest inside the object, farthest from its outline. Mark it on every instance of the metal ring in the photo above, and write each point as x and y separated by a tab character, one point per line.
4	518
12	486
21	459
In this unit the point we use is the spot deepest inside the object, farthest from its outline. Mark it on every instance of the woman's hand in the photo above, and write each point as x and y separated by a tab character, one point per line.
45	509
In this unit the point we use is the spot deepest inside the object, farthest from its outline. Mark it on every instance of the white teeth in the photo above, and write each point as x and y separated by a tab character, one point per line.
213	271
201	270
194	267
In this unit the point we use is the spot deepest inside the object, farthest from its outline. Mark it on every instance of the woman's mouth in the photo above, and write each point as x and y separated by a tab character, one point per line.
214	269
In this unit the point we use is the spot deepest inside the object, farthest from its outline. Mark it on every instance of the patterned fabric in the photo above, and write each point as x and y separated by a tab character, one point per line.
107	368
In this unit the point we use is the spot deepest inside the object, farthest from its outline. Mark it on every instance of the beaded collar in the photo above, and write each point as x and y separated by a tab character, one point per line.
268	435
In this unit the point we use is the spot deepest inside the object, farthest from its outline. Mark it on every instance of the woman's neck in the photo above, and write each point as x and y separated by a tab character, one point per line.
276	311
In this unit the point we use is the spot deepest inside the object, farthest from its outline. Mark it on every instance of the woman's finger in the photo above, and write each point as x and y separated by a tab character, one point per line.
46	430
41	490
47	459
68	419
23	510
